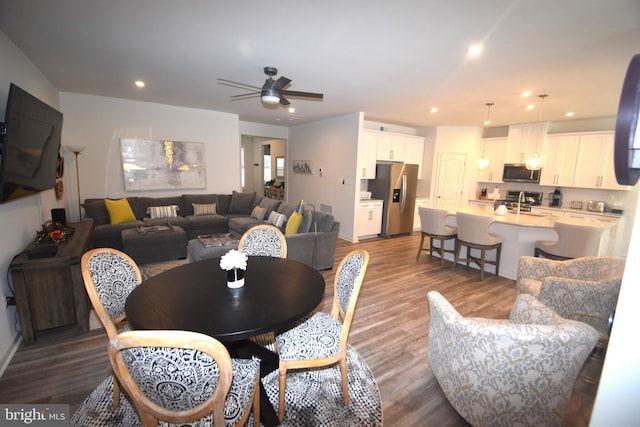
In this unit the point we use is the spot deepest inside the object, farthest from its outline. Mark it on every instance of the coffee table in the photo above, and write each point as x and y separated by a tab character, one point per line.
211	246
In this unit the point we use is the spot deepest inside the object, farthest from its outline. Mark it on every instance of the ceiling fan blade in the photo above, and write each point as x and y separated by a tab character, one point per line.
284	101
302	94
237	84
248	95
281	83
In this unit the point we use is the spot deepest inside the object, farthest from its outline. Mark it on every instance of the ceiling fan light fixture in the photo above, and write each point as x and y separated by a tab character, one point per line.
270	96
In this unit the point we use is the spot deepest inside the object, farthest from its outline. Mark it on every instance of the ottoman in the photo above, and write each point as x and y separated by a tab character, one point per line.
197	251
155	243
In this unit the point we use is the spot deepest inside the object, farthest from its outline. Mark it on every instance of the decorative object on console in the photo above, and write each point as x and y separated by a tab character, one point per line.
162	164
483	163
534	163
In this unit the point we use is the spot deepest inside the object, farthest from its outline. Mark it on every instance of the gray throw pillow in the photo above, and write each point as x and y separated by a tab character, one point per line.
241	203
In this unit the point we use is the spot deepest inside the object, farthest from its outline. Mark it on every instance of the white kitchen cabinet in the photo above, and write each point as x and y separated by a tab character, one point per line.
594	163
559	157
414	151
494	149
369	219
391	147
367	155
523	141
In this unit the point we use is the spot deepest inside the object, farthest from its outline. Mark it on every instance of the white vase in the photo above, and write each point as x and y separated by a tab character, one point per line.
235	278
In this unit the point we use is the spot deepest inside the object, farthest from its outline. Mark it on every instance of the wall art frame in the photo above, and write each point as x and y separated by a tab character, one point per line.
162	164
303	166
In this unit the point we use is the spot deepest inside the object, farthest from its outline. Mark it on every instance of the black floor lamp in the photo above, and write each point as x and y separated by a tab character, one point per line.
76	149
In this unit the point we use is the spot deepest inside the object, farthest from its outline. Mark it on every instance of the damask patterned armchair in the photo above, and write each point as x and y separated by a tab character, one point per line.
516	372
584	288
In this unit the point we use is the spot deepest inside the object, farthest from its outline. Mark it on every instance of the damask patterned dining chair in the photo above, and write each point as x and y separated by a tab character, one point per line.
185	377
263	240
321	341
109	277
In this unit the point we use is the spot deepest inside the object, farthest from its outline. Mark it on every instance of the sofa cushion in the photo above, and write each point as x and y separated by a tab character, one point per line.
204	209
119	211
96	210
293	223
324	221
240	224
277	219
241	203
305	224
269	204
287	209
203	199
224	202
258	213
159	212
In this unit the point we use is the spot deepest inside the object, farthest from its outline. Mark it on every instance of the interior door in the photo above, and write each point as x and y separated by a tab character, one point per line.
449	180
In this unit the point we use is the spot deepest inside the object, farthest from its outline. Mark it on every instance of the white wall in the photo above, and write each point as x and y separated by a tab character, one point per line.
20	219
99	123
331	144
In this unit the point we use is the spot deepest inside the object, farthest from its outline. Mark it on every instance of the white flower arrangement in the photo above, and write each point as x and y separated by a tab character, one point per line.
233	259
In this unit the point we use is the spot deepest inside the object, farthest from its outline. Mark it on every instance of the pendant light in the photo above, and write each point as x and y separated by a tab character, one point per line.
534	163
483	163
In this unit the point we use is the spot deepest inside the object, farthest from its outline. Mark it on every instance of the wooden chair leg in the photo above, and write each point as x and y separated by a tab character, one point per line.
420	247
345	380
483	254
282	384
457	255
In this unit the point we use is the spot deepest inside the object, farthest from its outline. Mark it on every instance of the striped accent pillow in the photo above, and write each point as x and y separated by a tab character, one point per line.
156	212
277	219
202	209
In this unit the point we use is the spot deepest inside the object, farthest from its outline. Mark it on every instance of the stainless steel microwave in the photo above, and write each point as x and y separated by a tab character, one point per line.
517	172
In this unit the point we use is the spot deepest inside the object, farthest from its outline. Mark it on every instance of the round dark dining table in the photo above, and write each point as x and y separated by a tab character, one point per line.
195	297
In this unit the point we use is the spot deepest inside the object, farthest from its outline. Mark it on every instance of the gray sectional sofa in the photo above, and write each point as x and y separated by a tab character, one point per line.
314	243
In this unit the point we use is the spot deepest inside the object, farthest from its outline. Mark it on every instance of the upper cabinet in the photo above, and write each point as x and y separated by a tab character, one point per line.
523	142
594	163
494	149
391	147
414	151
386	146
367	152
559	157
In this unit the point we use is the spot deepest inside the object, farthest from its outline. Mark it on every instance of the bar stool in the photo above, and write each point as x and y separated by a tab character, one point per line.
433	226
473	233
574	241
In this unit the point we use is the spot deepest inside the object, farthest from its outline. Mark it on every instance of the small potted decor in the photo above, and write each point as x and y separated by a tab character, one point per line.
235	263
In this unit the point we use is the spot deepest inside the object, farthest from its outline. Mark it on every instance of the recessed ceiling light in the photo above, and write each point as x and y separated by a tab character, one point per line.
525	93
292	110
140	83
530	107
570	114
474	50
433	110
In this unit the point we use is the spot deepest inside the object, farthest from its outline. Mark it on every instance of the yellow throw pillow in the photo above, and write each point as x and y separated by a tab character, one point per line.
293	223
119	211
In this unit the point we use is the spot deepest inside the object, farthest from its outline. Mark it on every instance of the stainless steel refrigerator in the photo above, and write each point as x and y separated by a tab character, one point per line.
396	185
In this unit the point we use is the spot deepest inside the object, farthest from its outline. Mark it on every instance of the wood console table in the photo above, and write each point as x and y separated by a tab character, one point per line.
50	291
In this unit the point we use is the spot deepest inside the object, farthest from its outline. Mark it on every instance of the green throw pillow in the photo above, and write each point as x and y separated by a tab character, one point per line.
119	211
293	223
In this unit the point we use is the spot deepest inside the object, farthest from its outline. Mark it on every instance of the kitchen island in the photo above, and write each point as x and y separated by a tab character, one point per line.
519	234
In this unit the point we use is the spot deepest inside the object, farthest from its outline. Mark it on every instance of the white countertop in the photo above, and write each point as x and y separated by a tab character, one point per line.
563	210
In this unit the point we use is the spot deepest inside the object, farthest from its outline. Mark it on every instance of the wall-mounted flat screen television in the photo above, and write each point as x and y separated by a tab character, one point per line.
30	146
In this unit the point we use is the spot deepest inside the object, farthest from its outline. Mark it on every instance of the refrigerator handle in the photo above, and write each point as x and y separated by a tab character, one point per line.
403	197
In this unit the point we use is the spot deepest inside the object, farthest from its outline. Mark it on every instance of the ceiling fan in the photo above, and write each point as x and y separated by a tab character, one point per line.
272	92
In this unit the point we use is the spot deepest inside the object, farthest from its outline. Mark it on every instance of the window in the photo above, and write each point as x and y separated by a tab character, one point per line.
266	158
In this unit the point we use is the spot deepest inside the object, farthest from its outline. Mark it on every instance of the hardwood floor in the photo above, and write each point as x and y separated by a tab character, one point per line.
389	331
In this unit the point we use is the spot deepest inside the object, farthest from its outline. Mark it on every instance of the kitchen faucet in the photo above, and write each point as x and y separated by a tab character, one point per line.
520	197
